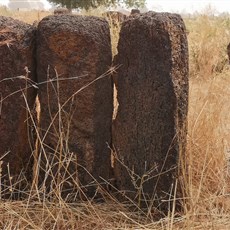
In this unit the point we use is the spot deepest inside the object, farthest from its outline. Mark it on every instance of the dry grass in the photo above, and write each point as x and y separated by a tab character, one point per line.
27	16
207	181
207	158
208	40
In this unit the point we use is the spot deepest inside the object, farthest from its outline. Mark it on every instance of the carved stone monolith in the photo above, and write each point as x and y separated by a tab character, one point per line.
76	97
60	11
228	52
17	96
149	131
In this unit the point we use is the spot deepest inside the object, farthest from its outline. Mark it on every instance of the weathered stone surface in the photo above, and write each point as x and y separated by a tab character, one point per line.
17	44
74	51
149	131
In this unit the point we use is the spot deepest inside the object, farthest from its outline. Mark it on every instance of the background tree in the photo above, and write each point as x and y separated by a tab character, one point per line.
86	4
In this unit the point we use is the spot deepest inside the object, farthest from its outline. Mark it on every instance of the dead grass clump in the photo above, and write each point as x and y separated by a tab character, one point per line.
26	16
207	159
208	39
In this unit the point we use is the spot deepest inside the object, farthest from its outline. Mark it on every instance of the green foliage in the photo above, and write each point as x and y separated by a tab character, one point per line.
86	4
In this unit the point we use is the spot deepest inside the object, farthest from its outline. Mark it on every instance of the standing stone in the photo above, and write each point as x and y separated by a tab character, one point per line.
135	11
76	109
228	52
59	11
17	69
149	132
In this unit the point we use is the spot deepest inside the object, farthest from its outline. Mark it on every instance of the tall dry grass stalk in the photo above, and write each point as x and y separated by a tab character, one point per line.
27	16
208	39
206	179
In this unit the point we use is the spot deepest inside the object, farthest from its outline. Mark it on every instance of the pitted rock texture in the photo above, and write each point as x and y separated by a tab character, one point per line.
76	109
149	131
17	96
